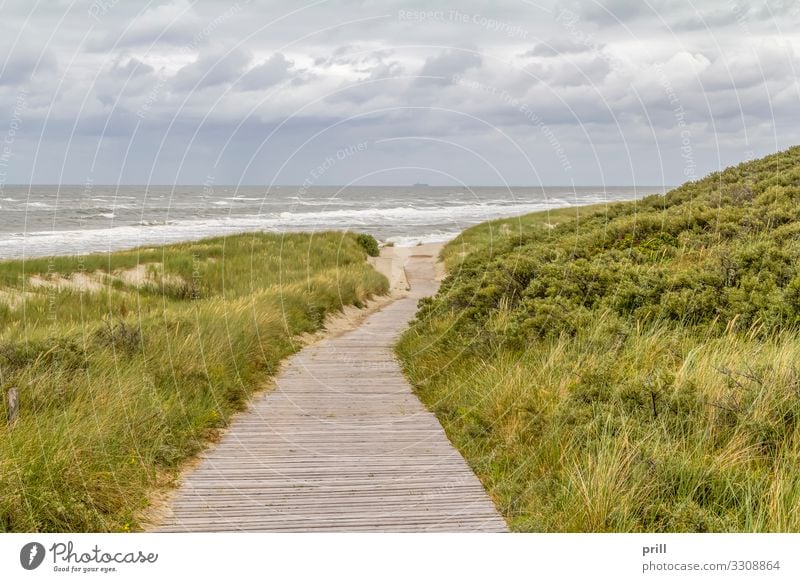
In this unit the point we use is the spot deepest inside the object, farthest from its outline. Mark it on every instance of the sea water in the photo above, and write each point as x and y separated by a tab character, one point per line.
57	220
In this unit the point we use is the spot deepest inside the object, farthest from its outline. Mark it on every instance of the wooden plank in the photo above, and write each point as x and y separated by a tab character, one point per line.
341	444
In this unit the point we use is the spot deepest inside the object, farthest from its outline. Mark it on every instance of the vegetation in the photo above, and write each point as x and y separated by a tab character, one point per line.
128	363
369	244
629	367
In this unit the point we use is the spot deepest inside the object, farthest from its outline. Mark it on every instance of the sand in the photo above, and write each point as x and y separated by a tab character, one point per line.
392	262
80	282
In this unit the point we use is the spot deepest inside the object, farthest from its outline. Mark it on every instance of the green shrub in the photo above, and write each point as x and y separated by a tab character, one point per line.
369	244
628	367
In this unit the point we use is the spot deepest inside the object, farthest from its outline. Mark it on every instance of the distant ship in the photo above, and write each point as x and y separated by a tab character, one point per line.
419	185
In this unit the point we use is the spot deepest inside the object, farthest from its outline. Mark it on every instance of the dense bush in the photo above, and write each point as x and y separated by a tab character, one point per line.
369	244
723	250
630	367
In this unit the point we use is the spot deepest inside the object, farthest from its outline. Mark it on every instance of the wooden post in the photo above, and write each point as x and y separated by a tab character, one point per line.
13	406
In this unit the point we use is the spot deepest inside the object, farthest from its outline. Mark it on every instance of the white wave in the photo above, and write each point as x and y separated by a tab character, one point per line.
412	241
429	224
404	215
155	222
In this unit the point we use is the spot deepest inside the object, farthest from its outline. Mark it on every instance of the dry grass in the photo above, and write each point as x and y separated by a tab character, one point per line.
119	386
666	432
633	367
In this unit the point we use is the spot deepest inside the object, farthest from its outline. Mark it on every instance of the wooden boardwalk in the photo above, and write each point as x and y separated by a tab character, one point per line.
341	444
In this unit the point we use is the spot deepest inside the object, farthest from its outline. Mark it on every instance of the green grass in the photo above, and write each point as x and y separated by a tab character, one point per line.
120	386
629	367
496	234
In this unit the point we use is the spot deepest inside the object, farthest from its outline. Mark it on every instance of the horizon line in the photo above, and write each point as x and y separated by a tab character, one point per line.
301	186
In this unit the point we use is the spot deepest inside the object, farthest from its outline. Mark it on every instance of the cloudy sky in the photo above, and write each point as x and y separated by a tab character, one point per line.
392	92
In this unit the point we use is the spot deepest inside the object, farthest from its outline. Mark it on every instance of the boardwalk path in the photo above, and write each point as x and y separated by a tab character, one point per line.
341	444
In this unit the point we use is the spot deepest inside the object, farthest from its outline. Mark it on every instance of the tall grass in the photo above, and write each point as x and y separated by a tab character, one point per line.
634	367
121	385
661	432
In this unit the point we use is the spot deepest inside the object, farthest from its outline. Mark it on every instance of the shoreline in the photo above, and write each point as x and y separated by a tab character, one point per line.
404	224
409	242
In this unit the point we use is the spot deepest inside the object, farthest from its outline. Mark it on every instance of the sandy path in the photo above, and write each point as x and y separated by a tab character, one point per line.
342	443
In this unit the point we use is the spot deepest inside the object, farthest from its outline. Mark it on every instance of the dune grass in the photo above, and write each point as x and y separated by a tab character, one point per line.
633	367
129	363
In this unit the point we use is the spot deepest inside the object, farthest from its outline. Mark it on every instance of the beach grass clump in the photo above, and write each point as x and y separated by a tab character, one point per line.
628	367
129	363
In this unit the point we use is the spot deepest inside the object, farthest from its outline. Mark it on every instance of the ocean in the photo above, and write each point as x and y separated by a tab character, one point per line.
40	221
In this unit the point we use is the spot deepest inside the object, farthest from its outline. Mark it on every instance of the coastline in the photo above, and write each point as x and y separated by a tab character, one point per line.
67	221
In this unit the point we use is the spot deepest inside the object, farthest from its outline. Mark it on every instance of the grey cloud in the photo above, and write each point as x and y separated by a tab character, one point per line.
385	70
746	17
212	69
359	54
710	20
125	79
380	80
24	63
743	69
133	67
565	73
359	58
556	47
172	23
271	72
610	12
442	68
